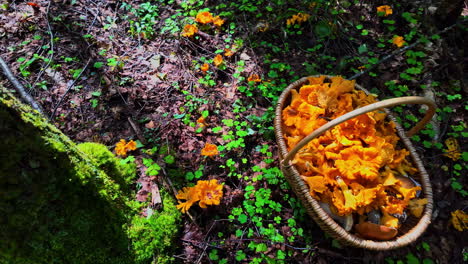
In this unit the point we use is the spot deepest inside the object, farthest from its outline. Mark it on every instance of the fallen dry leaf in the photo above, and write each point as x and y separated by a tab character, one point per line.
150	125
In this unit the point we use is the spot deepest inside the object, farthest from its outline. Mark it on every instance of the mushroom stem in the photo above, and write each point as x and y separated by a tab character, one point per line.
345	221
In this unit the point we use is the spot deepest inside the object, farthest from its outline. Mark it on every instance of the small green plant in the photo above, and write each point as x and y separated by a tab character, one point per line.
27	63
75	73
191	106
42	85
98	64
94	101
115	63
213	255
152	168
207	81
237	131
189	176
143	19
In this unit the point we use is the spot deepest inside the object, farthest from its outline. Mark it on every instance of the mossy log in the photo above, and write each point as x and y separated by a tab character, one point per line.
56	205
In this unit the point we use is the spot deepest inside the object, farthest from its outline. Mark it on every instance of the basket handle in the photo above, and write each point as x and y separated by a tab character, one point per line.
365	109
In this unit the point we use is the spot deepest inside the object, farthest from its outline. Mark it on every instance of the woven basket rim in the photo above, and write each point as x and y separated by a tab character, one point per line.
321	217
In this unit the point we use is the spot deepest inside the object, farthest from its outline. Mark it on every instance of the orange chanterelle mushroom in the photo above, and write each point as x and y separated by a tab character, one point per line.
356	167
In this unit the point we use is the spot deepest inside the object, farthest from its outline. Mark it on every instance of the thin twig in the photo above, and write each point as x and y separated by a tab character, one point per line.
199	244
19	87
51	55
204	245
137	130
399	51
181	256
68	89
96	16
330	253
384	59
256	240
203	253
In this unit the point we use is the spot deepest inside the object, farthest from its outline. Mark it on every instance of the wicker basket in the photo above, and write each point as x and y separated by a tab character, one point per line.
410	229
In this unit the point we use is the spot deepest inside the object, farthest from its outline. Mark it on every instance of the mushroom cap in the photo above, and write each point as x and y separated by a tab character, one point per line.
374	231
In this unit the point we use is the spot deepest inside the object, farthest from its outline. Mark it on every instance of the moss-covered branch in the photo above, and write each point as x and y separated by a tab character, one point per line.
56	205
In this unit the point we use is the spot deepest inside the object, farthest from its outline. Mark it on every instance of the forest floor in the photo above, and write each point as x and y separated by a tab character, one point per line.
110	70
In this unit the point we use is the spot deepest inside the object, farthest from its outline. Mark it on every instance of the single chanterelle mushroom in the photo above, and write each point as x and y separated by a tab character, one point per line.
349	198
374	231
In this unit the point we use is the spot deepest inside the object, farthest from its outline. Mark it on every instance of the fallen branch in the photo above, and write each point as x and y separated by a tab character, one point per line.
19	87
68	89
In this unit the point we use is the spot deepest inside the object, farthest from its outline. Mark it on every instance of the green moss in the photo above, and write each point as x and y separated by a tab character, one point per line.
60	203
123	173
154	236
56	205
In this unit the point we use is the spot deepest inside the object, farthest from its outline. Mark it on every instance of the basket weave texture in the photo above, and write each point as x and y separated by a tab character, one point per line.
412	228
